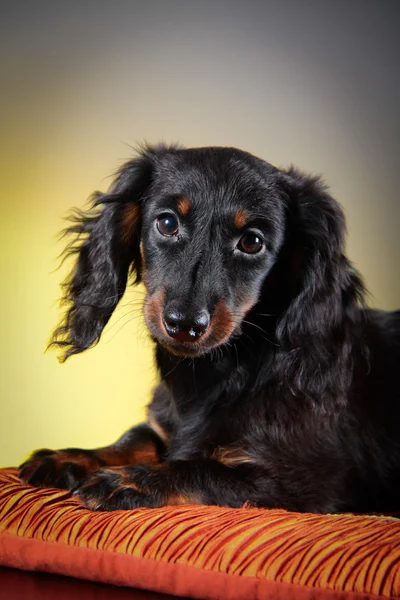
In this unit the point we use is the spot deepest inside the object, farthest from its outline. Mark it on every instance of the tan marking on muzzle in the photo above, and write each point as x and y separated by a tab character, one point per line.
153	308
223	323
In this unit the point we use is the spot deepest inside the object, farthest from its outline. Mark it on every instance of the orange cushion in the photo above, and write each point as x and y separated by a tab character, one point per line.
201	551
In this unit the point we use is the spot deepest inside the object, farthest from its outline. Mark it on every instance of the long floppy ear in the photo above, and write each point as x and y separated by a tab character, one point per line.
106	243
325	285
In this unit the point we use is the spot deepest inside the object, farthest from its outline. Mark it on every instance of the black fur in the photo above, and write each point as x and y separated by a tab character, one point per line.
278	386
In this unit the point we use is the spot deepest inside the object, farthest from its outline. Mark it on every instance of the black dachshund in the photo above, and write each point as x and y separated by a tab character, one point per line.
278	387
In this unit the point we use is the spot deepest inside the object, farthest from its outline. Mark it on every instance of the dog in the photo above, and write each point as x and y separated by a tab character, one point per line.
278	387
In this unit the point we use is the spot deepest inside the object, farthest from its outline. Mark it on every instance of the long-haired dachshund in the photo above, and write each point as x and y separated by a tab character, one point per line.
278	387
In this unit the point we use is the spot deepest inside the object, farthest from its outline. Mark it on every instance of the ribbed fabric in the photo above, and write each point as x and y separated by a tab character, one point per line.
354	556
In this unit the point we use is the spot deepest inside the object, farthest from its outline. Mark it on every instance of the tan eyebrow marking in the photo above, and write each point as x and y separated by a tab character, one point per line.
241	218
184	205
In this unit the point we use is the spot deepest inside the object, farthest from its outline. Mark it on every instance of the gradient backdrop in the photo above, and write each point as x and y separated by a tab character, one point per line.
310	82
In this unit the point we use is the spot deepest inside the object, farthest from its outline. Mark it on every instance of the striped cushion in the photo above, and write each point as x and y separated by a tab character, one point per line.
201	551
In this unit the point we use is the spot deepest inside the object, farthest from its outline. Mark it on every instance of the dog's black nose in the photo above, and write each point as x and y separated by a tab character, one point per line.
184	328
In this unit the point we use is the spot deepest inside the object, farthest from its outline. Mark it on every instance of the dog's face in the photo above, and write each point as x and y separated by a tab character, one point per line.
211	230
204	228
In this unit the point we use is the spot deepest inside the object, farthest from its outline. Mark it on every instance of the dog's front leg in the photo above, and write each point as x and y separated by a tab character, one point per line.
168	483
68	467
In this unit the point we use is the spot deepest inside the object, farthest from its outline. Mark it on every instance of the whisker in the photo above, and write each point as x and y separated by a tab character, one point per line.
136	303
130	312
174	367
237	356
116	333
263	331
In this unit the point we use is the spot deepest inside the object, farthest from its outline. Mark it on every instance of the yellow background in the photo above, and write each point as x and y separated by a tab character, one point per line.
317	87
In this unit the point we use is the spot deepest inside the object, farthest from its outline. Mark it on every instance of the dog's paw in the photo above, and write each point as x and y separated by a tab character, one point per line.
119	488
59	468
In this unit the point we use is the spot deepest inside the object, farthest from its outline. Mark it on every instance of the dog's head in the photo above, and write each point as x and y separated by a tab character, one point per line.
204	229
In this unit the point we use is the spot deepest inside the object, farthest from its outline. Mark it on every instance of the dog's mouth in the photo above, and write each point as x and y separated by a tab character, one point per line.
186	351
194	340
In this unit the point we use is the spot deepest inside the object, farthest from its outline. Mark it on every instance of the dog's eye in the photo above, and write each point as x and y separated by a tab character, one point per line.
250	243
167	224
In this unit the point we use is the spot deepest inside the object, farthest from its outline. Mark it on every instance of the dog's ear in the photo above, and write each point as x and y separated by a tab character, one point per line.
106	244
324	283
